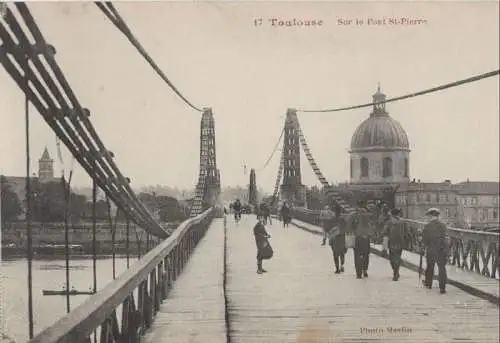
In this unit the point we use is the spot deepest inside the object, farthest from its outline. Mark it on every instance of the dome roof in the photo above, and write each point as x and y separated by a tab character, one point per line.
379	131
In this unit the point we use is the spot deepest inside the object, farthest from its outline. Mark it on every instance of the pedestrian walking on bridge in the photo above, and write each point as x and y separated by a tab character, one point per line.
434	240
327	221
337	243
363	230
286	214
265	213
395	232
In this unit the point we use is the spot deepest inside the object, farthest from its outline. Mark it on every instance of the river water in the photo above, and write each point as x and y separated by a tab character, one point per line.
46	275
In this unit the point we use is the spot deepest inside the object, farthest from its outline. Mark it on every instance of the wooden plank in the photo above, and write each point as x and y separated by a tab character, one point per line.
300	299
194	310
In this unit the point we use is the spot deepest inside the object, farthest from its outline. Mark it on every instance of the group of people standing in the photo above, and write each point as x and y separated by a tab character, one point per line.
364	223
284	213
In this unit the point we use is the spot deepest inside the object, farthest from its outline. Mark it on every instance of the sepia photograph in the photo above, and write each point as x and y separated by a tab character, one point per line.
249	171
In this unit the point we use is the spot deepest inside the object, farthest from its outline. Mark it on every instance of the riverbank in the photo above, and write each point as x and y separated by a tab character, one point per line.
48	239
48	252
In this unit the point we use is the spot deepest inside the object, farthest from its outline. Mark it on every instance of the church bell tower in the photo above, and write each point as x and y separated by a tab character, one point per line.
45	167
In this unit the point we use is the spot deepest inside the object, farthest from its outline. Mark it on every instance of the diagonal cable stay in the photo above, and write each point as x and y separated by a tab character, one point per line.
411	95
274	151
112	14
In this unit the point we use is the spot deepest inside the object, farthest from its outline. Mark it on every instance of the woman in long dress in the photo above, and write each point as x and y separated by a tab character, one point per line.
261	241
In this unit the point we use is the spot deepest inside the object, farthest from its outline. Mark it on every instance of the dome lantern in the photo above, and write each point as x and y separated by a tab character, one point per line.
379	131
379	103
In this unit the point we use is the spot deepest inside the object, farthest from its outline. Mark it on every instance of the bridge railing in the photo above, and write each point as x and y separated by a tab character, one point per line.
476	251
471	250
125	308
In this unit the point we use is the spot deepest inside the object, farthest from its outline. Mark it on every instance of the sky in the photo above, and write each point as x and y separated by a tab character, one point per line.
249	75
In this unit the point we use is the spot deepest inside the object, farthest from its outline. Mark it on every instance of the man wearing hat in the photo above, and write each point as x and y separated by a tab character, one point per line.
434	240
395	232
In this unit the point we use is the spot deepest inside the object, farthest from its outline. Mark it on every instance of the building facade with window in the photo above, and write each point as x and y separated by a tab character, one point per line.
478	203
416	197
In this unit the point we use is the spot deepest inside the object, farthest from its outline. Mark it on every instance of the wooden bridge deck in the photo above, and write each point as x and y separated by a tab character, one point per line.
301	300
194	310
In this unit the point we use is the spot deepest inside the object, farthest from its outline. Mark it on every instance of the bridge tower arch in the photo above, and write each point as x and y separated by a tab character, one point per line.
292	188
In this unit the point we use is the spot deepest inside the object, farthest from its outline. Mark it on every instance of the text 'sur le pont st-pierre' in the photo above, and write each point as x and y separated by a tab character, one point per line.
381	21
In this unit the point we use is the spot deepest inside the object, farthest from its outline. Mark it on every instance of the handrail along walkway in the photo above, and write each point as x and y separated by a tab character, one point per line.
152	276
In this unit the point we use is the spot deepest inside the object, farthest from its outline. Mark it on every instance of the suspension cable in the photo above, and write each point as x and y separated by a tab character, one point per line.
113	240
110	221
138	243
67	196
274	150
411	95
49	56
28	215
84	150
128	242
59	154
113	15
94	232
278	178
310	158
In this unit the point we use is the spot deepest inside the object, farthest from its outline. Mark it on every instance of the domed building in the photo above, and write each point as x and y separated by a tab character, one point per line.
379	148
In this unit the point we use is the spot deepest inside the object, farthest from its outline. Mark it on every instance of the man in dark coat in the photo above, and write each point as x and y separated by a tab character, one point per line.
261	237
338	210
362	221
327	222
337	243
264	213
286	214
237	209
396	234
434	240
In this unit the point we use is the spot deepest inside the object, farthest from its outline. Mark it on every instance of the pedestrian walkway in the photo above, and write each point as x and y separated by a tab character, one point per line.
472	282
301	300
194	311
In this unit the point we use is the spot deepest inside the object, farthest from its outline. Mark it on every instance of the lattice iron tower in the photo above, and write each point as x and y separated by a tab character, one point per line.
208	188
292	188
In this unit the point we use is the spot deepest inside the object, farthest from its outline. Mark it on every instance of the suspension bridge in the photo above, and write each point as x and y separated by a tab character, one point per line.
198	283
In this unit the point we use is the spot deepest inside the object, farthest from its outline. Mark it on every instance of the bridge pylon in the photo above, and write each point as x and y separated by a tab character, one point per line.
292	188
208	187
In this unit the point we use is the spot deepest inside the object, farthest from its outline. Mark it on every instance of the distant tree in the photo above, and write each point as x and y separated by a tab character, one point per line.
148	200
77	206
11	205
50	202
170	209
101	210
